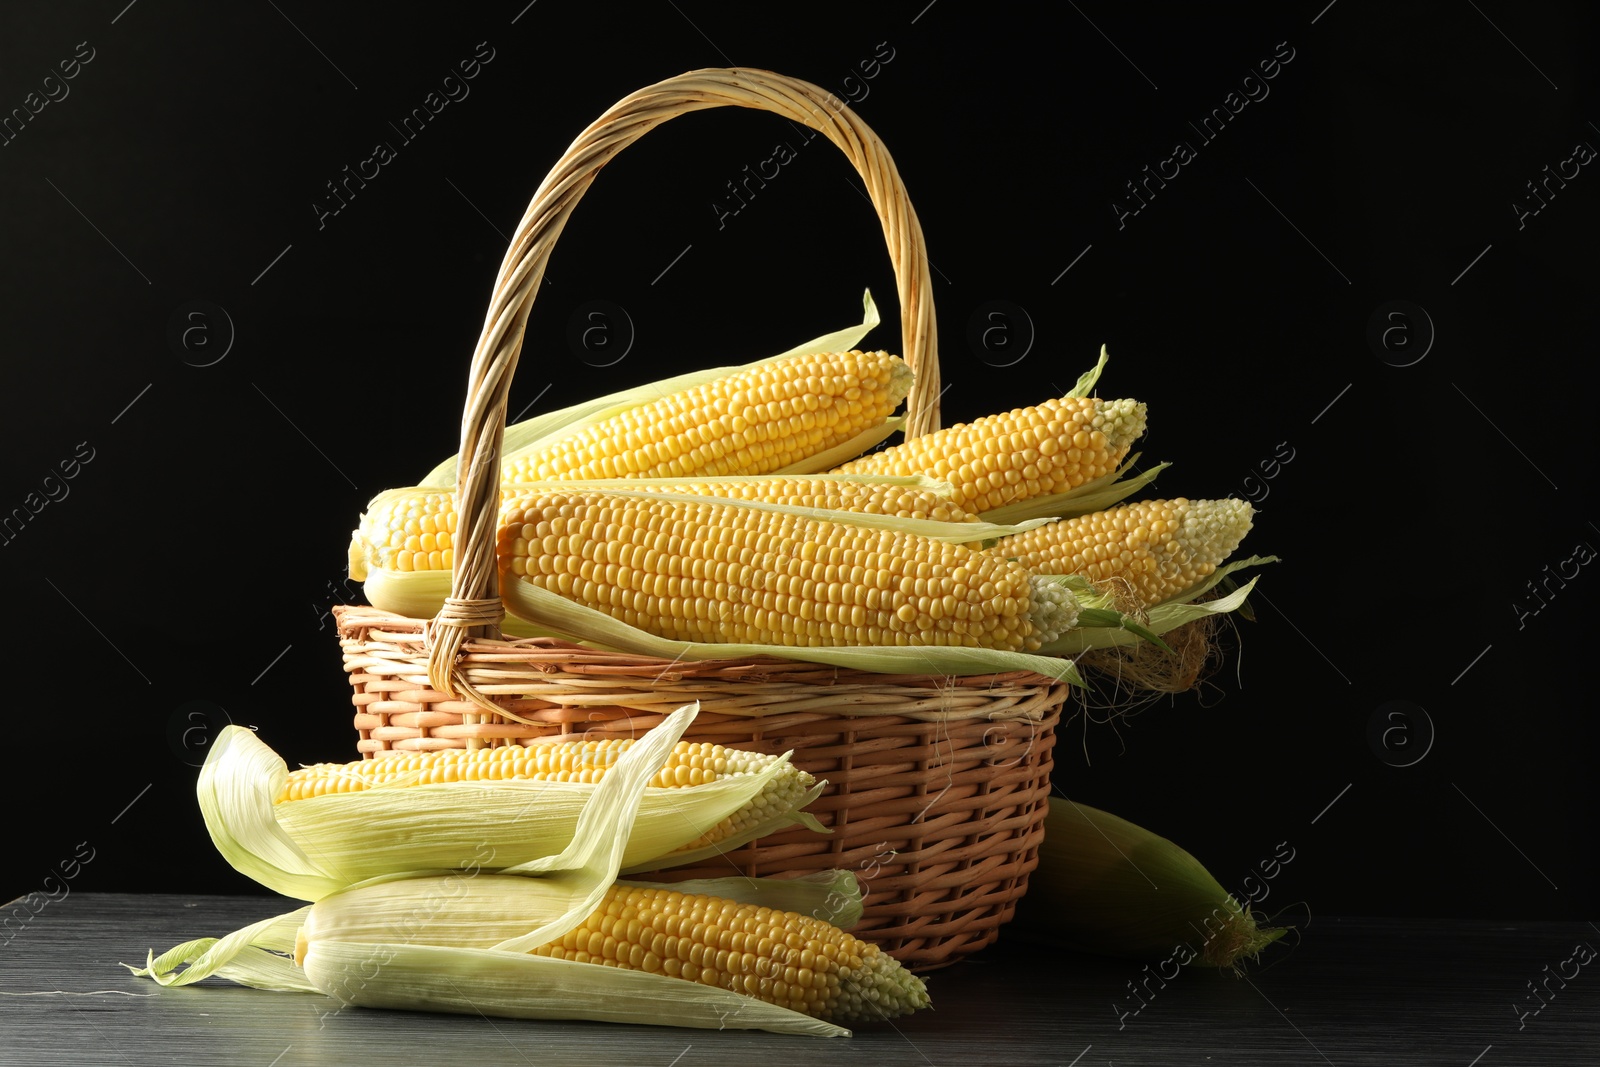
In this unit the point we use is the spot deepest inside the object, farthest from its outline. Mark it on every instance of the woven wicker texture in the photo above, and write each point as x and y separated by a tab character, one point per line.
938	786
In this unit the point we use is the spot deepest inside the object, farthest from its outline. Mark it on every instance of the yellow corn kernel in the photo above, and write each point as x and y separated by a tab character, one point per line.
1148	550
752	421
1006	458
720	572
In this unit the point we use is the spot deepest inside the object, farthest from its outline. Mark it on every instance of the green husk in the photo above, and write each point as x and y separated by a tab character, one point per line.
1162	617
1107	886
312	847
543	430
1091	377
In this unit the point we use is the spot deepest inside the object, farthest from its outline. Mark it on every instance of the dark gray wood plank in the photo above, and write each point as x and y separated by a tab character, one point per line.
1359	991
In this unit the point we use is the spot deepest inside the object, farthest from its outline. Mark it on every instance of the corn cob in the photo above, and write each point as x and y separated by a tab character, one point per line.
414	529
405	530
584	762
710	571
782	958
333	837
1109	886
1002	459
753	421
830	494
1146	551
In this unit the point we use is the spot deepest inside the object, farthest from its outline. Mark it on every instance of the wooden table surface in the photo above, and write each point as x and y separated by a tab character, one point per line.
1352	991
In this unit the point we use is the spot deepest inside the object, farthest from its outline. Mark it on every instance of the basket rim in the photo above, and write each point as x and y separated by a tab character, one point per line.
398	631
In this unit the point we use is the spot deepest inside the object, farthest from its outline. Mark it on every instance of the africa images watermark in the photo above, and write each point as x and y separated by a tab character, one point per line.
1252	89
452	89
53	89
784	152
53	489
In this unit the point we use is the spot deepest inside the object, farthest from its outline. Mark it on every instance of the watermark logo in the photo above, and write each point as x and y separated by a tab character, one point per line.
1400	733
1000	333
193	727
600	333
1400	333
200	333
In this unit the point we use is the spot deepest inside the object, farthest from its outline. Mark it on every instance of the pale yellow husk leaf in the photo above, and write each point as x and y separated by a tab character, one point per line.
513	985
580	872
309	848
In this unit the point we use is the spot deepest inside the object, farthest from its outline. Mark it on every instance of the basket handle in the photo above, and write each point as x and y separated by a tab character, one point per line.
474	610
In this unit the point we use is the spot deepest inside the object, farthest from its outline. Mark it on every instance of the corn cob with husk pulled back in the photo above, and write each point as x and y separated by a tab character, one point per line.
696	570
1142	553
310	831
771	416
784	788
783	958
819	404
414	529
1005	459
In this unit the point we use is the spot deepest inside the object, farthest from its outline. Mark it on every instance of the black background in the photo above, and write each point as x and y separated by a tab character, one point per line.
191	562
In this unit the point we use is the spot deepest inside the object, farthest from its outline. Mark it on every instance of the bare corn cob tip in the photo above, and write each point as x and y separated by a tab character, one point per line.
715	572
753	421
1149	550
405	530
1007	458
691	763
783	958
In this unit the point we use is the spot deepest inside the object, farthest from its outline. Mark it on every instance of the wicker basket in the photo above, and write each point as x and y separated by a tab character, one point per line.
938	786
